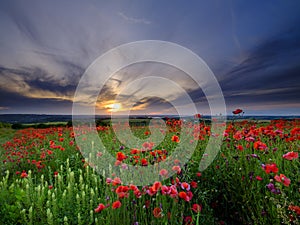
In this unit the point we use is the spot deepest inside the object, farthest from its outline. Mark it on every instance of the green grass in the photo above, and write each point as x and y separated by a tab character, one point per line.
6	133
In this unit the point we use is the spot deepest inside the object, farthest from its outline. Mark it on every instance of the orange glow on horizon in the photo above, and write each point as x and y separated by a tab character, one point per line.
115	107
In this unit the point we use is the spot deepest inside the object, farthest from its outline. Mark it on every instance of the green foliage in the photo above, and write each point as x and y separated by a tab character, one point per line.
5	125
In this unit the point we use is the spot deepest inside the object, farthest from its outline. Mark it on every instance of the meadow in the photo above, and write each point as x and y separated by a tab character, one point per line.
254	179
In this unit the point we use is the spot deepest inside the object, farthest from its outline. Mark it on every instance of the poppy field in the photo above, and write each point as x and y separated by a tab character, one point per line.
254	179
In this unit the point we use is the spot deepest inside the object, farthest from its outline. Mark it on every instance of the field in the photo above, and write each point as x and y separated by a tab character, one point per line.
254	179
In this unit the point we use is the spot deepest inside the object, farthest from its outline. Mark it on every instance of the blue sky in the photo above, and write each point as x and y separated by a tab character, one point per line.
252	47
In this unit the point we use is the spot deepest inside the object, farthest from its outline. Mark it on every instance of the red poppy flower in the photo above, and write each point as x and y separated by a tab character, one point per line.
134	151
240	147
197	116
144	162
148	145
182	195
99	208
271	168
290	155
185	186
197	208
259	145
157	212
190	195
151	191
176	161
194	184
156	186
49	152
116	181
238	135
163	172
122	191
237	111
295	208
118	163
133	187
165	190
24	174
116	204
173	191
121	156
177	169
259	178
175	138
137	193
108	180
283	179
187	196
188	220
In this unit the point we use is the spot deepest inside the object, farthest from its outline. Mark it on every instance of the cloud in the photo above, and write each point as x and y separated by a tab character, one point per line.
233	28
3	108
34	83
134	20
270	73
150	102
273	63
17	103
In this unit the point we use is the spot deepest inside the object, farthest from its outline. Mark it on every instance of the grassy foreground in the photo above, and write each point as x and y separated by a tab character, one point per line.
254	179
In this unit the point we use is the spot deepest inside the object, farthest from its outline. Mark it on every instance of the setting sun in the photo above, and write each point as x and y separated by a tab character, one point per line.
113	107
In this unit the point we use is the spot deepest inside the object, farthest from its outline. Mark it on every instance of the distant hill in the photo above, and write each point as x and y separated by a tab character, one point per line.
43	118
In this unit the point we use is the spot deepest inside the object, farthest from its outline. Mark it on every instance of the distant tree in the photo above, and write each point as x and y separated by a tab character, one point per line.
5	125
17	126
69	123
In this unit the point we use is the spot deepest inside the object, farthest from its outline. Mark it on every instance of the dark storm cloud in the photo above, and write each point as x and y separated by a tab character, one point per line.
72	70
269	73
44	85
275	57
150	102
27	79
290	95
14	103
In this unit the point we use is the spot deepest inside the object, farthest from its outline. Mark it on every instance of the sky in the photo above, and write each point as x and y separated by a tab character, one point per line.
252	48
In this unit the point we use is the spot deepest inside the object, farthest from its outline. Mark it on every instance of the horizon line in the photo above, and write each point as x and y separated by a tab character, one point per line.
148	115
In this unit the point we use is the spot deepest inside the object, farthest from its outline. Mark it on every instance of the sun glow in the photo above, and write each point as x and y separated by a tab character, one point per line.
113	107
